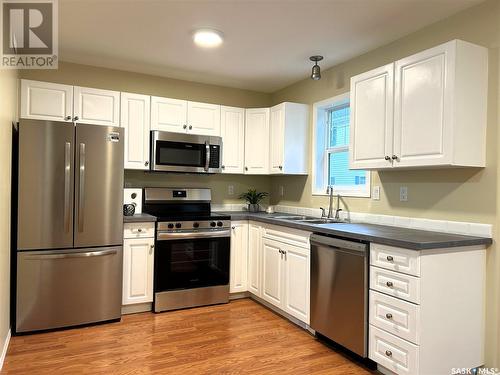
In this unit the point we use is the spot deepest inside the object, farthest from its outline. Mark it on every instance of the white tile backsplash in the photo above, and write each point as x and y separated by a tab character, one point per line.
457	227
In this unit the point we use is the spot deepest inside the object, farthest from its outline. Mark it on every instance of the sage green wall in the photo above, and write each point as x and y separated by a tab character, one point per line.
450	194
8	99
90	76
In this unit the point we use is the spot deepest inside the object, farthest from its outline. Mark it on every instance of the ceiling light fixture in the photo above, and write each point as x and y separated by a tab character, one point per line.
316	71
207	38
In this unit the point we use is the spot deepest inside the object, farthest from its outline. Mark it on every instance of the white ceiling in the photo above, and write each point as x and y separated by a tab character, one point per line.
267	43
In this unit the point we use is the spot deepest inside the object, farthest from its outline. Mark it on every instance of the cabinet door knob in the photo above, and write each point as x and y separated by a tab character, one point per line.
76	118
233	227
146	163
184	126
388	316
387	157
139	230
389	284
390	258
223	167
190	127
388	353
394	157
68	118
280	167
246	168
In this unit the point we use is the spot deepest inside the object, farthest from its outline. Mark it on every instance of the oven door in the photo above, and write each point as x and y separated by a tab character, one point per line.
175	152
191	260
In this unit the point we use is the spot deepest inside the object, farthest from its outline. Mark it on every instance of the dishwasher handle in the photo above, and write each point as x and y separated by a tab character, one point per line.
338	243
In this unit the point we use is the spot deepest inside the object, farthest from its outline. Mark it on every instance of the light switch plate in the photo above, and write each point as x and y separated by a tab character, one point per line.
403	193
376	193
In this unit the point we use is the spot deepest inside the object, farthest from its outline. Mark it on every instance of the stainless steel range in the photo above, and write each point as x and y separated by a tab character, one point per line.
192	249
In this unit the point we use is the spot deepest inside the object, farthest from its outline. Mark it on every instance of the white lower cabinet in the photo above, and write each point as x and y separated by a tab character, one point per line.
254	258
138	261
426	309
285	277
239	257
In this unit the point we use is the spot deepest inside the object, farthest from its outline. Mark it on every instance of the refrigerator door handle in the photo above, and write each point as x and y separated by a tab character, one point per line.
73	255
81	191
67	182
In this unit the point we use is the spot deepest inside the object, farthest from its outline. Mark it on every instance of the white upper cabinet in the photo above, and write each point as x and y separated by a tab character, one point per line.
233	139
182	116
52	101
135	119
439	114
372	118
203	118
289	138
168	114
239	257
46	101
96	106
257	141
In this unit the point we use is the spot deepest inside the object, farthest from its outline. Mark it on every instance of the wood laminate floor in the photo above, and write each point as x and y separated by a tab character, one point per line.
241	337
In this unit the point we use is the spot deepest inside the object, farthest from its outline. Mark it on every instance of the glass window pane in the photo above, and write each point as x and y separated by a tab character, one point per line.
339	127
339	173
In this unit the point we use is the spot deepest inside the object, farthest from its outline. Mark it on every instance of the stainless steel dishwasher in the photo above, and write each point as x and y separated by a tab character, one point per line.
339	291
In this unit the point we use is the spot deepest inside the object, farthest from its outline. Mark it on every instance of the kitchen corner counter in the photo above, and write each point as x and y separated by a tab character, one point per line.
383	234
139	218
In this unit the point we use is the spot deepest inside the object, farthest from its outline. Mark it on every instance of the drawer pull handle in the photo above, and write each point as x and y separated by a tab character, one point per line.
388	353
388	316
390	258
389	284
139	230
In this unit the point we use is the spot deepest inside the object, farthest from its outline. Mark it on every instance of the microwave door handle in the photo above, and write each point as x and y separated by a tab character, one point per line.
207	156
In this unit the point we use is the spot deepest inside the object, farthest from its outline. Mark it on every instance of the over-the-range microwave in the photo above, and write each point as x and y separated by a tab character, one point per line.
176	152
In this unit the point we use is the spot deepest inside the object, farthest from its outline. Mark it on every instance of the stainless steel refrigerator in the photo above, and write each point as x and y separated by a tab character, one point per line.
69	224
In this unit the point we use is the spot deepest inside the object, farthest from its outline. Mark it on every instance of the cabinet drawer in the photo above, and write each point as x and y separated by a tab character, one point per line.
395	354
396	284
394	315
287	235
138	230
395	258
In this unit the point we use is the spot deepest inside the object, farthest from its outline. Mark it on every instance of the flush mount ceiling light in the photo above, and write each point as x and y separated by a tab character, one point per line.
207	38
316	71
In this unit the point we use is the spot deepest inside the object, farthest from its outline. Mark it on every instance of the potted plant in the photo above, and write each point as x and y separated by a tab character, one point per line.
253	199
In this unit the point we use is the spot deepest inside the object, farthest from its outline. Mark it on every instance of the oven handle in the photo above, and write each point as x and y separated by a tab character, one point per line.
168	236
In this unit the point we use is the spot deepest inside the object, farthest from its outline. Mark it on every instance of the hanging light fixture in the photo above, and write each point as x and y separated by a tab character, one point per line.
316	71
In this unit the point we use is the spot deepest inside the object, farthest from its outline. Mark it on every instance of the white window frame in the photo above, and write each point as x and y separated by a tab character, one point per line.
321	152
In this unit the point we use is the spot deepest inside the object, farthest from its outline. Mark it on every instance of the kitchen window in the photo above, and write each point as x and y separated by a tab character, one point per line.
331	151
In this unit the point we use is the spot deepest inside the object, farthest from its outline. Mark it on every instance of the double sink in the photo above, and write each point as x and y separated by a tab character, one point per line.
310	219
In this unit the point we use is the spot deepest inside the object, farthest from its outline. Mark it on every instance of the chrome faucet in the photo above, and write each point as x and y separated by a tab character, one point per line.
337	211
330	204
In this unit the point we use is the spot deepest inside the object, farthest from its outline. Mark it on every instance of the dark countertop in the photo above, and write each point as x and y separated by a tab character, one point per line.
388	235
139	218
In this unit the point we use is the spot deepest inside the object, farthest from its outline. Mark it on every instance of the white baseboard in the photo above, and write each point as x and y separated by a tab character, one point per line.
137	308
4	349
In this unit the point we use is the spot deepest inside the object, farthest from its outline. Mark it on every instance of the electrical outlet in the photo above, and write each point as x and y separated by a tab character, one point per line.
403	193
230	189
282	190
376	193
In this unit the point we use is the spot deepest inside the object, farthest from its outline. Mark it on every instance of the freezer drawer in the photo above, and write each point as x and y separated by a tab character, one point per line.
61	288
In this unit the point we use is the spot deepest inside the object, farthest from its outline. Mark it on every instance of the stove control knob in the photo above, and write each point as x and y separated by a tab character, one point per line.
212	224
219	223
170	226
196	225
178	225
